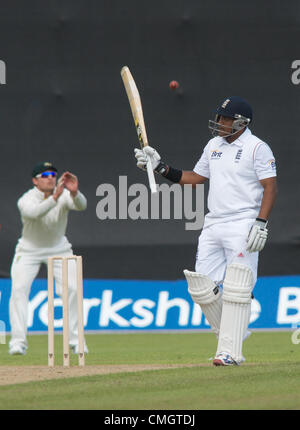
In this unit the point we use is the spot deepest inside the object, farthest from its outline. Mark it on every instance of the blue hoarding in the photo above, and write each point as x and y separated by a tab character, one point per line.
131	305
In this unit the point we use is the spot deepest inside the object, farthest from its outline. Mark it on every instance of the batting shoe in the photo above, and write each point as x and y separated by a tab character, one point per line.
17	349
224	359
75	349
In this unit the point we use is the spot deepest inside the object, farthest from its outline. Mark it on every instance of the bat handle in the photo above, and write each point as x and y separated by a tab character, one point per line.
152	183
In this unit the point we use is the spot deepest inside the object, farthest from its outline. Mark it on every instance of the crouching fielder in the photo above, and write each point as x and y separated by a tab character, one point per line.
241	171
44	211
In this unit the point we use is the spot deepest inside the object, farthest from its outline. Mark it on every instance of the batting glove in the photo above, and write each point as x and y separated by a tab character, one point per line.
257	235
143	155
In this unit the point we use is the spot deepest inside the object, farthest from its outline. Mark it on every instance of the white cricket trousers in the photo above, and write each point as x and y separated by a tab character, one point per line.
222	244
24	269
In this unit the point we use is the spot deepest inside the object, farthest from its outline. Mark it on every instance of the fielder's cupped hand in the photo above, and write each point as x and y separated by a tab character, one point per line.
142	156
257	236
70	182
60	186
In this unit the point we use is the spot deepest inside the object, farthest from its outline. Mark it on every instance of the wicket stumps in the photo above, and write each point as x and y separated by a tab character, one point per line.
65	286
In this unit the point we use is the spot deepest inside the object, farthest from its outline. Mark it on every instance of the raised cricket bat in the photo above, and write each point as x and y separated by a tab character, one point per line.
137	113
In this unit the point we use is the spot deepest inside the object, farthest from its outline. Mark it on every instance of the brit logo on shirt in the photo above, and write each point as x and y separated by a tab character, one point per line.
238	156
215	155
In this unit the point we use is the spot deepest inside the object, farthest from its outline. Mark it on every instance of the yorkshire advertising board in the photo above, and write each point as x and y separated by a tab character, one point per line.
133	305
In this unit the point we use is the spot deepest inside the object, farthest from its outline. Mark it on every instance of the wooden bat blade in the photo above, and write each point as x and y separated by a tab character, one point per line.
137	113
135	105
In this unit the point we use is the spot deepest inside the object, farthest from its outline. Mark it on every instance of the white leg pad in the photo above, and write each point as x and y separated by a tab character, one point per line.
206	293
236	310
238	284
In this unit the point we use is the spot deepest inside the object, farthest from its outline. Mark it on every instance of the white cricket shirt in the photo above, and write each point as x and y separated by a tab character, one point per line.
234	171
45	220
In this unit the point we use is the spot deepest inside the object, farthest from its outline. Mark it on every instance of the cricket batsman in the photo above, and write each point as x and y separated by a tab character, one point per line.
241	171
44	212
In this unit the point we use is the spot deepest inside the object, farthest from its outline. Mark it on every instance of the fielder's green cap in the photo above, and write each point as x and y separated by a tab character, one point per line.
43	167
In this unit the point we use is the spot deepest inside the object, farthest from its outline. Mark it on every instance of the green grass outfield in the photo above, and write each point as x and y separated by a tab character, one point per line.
268	380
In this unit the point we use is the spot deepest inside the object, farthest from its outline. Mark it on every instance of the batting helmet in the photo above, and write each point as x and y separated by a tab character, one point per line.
232	107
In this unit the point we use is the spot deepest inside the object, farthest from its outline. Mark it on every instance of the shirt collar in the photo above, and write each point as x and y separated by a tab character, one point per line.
240	140
39	193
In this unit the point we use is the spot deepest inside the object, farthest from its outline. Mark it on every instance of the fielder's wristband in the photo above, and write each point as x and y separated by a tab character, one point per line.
174	175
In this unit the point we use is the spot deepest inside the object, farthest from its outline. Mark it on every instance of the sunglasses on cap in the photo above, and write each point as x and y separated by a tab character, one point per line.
46	175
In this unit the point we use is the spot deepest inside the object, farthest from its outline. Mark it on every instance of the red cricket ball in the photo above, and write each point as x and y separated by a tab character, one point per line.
174	85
